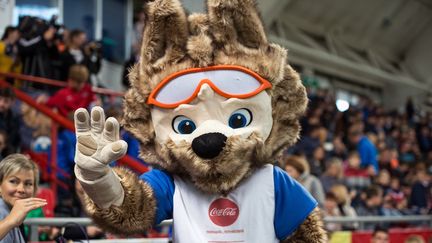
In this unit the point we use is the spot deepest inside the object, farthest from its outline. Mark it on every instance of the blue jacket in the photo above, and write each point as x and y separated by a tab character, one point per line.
368	153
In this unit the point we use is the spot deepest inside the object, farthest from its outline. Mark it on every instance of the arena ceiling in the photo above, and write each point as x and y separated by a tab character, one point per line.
370	41
382	37
390	27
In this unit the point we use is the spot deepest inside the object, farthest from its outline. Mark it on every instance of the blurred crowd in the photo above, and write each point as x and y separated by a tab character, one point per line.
366	161
46	49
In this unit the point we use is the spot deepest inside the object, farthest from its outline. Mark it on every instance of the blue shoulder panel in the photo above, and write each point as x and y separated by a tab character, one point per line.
163	188
293	204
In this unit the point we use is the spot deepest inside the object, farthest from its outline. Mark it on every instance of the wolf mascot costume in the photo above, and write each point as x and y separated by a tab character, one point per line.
212	103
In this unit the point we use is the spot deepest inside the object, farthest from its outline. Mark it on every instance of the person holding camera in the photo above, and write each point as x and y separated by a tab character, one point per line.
78	52
36	47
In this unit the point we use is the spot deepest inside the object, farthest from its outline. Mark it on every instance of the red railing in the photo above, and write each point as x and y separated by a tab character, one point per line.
58	83
63	122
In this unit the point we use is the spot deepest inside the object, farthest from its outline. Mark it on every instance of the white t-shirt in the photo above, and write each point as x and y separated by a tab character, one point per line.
266	207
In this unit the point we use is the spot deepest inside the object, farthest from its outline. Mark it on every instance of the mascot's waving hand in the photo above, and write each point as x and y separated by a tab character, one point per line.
212	103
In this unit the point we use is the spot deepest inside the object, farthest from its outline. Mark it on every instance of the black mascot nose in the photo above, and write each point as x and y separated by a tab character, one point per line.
209	145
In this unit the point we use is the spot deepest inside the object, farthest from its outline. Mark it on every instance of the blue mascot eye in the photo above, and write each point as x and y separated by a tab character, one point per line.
240	118
183	125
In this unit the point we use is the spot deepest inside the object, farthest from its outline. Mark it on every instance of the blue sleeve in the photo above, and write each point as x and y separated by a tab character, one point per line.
71	150
363	153
368	154
133	144
163	188
293	204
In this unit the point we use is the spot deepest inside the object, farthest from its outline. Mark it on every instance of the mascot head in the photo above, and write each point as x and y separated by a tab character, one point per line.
211	98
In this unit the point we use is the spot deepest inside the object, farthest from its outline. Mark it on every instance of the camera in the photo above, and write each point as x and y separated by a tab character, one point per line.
32	27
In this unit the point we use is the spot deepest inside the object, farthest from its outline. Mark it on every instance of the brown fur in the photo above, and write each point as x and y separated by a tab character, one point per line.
311	231
137	212
231	33
222	174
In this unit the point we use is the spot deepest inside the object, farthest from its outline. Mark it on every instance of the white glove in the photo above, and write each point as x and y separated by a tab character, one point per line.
98	144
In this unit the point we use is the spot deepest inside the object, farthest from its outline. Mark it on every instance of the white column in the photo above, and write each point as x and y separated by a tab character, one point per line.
99	20
129	28
6	14
60	6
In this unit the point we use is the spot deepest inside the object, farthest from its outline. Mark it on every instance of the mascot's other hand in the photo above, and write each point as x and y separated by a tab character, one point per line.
98	143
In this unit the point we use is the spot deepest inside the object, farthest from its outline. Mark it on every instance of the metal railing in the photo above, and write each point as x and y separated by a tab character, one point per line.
33	223
361	220
64	122
58	83
60	222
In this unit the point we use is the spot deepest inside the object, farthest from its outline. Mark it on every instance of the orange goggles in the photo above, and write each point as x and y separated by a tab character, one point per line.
227	80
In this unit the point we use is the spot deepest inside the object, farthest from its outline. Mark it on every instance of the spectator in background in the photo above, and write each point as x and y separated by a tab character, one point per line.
37	48
356	178
407	153
309	142
410	109
414	239
66	142
343	201
316	162
73	53
366	149
383	180
298	168
62	42
333	174
9	59
77	52
372	204
133	143
4	151
77	94
19	178
339	149
380	235
397	197
421	193
9	121
388	160
424	138
331	209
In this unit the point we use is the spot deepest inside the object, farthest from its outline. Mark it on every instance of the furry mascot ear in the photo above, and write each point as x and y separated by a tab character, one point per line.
165	35
163	46
239	39
239	33
236	22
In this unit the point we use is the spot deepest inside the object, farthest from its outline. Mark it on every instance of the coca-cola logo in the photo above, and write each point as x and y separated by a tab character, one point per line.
223	212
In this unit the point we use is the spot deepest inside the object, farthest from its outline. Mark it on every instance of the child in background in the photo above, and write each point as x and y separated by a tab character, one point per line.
356	177
343	200
331	209
77	94
19	178
421	193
